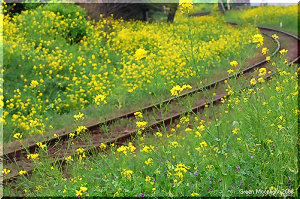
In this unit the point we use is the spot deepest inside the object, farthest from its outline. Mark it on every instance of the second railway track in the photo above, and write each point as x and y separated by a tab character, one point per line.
15	153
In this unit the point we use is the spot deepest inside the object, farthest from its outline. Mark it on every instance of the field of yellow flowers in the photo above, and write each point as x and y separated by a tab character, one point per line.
56	63
58	66
280	17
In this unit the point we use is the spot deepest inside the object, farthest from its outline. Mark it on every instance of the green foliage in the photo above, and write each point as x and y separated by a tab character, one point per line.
280	17
75	17
30	6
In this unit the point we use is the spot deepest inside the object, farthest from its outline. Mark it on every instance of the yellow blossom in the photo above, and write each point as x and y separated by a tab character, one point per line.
234	131
261	80
141	124
174	144
80	129
262	71
22	172
68	158
158	134
127	173
79	116
198	134
203	144
140	53
100	98
33	156
138	114
201	127
17	136
41	145
5	171
230	71
34	84
80	150
102	146
253	81
71	135
283	51
185	5
264	51
275	36
234	63
148	161
176	90
258	38
83	189
147	149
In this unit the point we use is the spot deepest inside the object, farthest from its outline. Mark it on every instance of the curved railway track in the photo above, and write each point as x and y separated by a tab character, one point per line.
61	146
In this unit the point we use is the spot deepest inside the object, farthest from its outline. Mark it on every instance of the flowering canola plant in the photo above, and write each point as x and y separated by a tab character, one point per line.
56	76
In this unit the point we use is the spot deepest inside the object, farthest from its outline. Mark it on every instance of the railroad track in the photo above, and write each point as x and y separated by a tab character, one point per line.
15	154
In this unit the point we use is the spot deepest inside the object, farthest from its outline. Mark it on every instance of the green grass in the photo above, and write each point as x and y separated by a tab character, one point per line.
203	7
280	17
247	143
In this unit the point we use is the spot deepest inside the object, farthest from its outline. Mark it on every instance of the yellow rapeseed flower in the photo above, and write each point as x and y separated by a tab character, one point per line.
235	131
258	38
148	161
275	36
234	63
127	173
158	134
100	98
140	53
283	51
253	81
71	135
68	158
185	5
141	124
138	114
80	129
41	145
147	149
80	151
79	116
176	90
34	84
17	136
230	71
102	146
33	156
264	51
5	171
22	172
